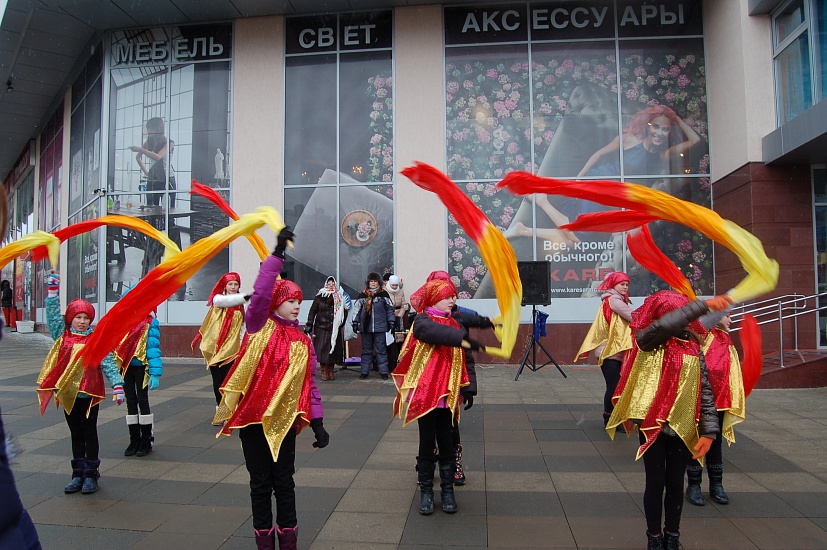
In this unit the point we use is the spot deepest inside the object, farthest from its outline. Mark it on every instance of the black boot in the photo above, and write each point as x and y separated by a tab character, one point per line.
78	466
446	478
145	445
693	485
716	478
90	476
672	541
425	478
134	435
459	475
654	542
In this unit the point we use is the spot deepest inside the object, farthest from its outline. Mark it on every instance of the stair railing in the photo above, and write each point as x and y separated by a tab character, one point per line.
780	308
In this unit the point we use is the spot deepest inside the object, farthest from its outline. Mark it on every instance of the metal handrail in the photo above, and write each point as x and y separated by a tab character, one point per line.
778	309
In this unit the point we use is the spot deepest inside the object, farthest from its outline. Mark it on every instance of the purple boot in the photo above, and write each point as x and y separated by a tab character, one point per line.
288	538
266	539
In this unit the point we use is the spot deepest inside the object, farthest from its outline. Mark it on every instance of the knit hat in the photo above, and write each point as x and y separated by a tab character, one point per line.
394	280
76	307
613	279
434	291
284	290
222	284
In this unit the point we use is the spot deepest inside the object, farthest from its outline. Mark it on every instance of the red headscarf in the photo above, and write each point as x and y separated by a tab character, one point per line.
434	291
284	290
613	279
76	307
439	275
221	285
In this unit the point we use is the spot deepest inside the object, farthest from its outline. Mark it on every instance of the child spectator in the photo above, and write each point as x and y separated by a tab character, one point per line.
77	389
373	316
138	357
270	395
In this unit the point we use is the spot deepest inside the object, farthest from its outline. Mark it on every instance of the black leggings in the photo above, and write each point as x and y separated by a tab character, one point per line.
133	388
270	478
83	430
665	463
436	427
716	451
611	374
219	373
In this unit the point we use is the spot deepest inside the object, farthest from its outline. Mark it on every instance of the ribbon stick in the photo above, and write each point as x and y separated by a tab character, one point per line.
210	194
162	281
762	272
495	250
37	240
127	222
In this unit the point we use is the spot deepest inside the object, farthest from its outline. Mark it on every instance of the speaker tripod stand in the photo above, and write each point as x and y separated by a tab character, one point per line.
531	349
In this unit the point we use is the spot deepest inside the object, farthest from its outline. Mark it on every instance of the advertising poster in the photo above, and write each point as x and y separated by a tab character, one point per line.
617	107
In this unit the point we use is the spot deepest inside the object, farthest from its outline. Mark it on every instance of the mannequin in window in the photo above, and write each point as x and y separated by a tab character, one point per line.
156	149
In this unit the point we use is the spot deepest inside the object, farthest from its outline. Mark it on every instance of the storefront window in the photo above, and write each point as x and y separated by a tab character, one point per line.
51	172
339	162
794	82
169	96
820	200
582	92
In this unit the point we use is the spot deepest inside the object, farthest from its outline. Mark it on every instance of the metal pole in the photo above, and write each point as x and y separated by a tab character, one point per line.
781	334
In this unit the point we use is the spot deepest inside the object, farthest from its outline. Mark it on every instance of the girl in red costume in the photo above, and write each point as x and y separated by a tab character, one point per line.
728	387
665	391
220	333
77	389
430	379
610	338
270	395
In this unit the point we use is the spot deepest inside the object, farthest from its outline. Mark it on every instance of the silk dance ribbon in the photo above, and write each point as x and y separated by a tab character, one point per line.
495	250
162	281
210	194
762	272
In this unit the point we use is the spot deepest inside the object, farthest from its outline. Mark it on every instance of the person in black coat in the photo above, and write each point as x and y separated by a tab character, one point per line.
17	532
374	318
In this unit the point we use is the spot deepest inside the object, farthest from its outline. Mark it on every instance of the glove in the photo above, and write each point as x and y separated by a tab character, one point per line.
117	394
356	328
285	237
52	284
722	301
322	437
247	297
154	382
469	400
704	443
485	322
471	344
308	329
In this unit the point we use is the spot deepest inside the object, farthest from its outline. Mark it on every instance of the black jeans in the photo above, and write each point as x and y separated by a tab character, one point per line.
83	430
436	427
219	373
665	463
133	388
268	477
611	374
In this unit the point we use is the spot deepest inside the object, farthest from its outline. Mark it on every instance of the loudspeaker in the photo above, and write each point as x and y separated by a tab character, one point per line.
536	279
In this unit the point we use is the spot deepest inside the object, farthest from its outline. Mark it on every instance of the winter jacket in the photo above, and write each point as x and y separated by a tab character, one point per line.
382	316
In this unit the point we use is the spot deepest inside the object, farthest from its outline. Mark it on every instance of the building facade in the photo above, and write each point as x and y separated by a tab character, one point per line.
315	114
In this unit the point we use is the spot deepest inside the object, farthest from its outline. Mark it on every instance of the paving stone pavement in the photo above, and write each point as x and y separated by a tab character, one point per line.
542	473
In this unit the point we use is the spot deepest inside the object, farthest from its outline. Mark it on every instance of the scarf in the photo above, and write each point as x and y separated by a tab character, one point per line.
369	294
338	309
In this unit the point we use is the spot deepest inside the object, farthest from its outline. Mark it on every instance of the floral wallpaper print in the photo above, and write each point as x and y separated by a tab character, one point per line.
503	114
380	157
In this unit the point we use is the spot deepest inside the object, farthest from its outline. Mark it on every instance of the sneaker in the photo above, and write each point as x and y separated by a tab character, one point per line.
363	377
